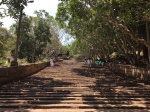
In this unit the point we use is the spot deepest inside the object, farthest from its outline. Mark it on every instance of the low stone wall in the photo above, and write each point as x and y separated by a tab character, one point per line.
129	70
14	73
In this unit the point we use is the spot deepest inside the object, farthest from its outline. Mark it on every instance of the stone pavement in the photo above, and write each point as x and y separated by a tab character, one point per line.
71	87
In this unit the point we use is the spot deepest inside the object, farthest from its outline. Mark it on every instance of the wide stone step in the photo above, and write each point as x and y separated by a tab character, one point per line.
79	101
64	90
76	95
79	106
75	86
73	110
96	94
87	98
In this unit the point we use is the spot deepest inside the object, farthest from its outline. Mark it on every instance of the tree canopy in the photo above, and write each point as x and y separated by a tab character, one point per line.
102	27
39	35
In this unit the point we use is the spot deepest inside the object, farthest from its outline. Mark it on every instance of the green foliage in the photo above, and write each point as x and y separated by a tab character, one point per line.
6	41
15	6
24	62
104	26
1	61
45	60
34	36
62	14
26	39
42	33
38	37
4	62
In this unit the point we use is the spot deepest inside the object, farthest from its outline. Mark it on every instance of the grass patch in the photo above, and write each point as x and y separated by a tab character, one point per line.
4	63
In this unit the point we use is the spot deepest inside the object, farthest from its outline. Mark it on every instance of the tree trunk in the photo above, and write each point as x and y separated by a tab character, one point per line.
138	54
33	54
148	39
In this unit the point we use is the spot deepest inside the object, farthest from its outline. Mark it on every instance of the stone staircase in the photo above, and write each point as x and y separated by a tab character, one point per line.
72	87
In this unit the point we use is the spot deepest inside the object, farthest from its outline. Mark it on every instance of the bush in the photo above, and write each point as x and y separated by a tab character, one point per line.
45	60
4	62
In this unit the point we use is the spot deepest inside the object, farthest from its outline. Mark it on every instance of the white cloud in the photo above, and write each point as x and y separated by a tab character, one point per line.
48	5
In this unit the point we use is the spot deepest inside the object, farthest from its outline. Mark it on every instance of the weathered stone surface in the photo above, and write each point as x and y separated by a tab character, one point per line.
129	70
14	73
71	86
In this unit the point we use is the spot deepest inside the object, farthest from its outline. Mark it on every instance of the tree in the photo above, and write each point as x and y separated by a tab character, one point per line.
5	41
110	17
42	33
52	48
38	36
26	40
14	7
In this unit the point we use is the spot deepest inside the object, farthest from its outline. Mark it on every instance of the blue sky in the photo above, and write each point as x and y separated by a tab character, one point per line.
48	5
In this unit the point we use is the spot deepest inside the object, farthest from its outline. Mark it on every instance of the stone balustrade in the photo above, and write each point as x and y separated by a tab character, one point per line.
9	74
142	74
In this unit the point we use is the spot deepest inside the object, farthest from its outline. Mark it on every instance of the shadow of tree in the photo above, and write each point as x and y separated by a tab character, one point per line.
86	72
115	91
37	91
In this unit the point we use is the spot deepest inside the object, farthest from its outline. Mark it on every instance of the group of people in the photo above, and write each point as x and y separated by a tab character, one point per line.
88	61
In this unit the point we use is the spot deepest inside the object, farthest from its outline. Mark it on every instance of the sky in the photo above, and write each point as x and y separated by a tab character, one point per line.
48	5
